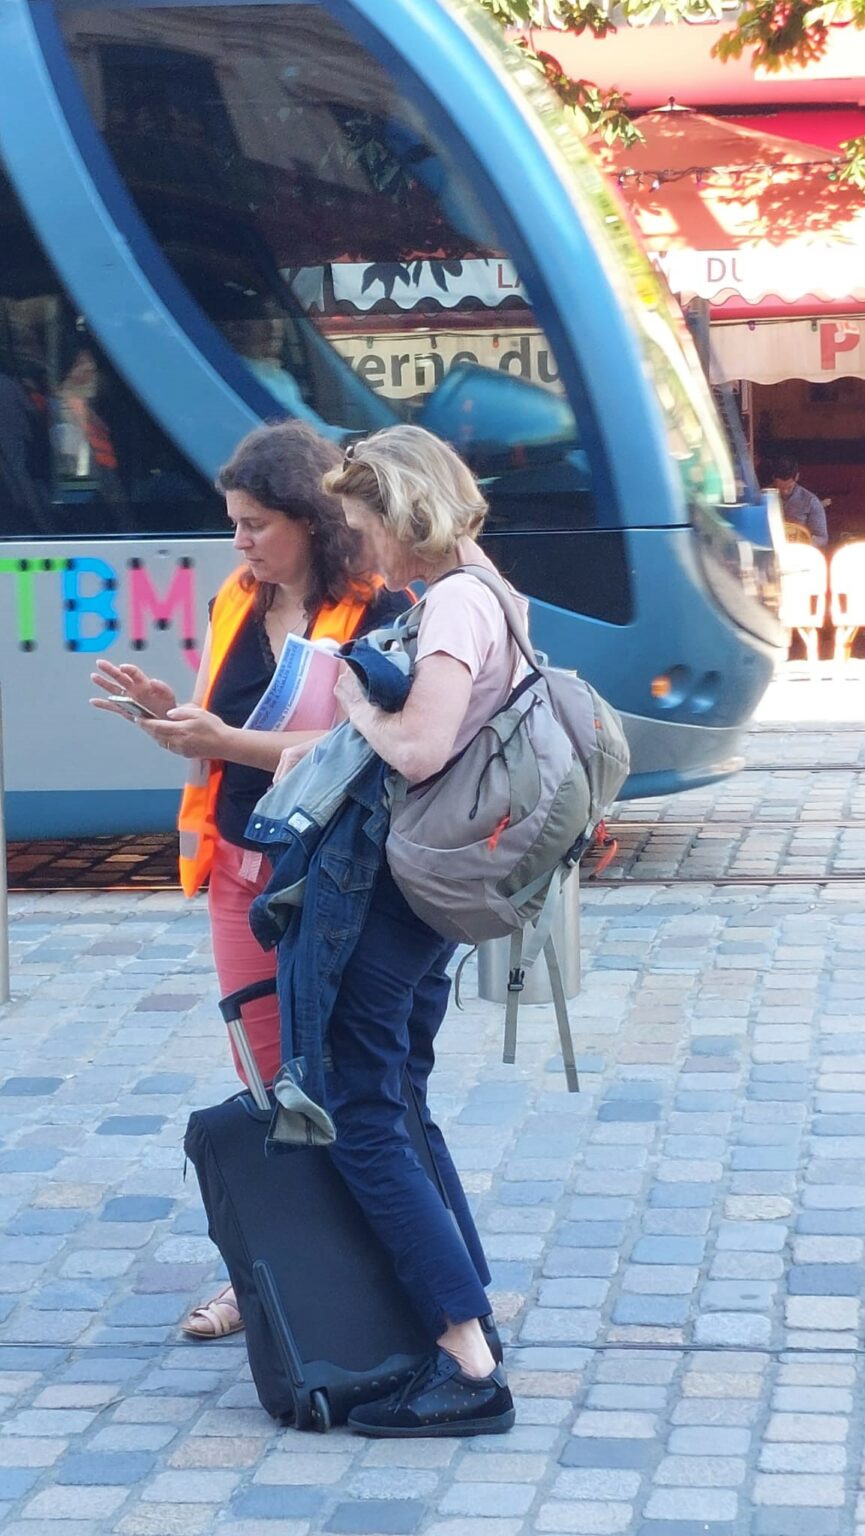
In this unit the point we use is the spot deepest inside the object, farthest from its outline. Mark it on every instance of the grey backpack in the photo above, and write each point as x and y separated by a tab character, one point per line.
482	849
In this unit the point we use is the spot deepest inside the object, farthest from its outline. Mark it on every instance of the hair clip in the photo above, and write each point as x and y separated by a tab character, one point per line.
348	455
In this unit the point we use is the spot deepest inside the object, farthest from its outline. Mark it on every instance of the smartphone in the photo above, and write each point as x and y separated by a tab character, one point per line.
132	708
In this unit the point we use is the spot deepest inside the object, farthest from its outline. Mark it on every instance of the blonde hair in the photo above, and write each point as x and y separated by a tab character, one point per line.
416	484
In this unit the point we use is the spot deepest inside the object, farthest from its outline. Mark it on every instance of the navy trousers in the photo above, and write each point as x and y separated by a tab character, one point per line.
390	1005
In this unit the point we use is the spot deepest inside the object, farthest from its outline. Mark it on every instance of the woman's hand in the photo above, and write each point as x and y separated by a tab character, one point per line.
190	731
290	757
348	693
149	691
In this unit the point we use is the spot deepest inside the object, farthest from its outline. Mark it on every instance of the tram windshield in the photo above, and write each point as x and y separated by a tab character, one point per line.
345	266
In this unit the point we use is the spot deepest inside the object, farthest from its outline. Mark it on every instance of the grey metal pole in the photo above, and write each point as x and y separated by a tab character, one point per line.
4	894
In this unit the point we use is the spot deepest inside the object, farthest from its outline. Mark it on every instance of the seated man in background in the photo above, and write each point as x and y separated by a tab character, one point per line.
797	504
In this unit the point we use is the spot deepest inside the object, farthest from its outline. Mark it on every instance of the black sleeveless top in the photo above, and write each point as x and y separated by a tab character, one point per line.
243	678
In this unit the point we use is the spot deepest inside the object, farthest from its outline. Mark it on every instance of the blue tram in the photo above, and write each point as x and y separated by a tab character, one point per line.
355	212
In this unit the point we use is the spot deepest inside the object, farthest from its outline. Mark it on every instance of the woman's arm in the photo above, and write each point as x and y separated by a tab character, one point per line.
419	740
192	731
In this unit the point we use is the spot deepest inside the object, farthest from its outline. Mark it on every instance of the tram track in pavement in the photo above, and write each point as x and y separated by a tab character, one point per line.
667	843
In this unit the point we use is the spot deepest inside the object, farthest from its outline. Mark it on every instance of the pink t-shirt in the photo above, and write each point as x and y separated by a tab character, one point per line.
462	618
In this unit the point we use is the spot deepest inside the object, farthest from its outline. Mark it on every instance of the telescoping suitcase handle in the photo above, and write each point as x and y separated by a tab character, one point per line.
231	1007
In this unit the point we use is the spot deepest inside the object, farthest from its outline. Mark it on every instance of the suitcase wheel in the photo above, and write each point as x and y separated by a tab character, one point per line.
320	1419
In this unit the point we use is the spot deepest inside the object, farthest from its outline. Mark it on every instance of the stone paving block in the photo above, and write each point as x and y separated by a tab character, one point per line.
459	1527
668	1250
682	1195
165	1082
131	1125
573	1293
543	1325
588	1518
30	1087
659	1280
803	1458
83	1394
582	1234
38	1422
737	1295
636	1455
631	1111
817	1279
137	1208
710	1505
809	1428
799	1491
43	1223
684	1222
660	1527
615	1426
723	1442
734	1265
30	1453
732	1328
277	1502
212	1450
382	1517
16	1481
57	1527
752	1236
82	1503
154	1410
104	1470
650	1399
812	1399
661	1311
600	1485
486	1499
799	1522
818	1312
707	1471
182	1520
577	1263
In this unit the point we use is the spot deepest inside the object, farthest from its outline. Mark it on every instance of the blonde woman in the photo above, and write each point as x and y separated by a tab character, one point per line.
418	509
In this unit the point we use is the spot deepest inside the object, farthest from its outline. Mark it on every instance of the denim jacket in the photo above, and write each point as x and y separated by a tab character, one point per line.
316	940
326	852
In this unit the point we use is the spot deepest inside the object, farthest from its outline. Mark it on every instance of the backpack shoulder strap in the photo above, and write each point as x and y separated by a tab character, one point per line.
513	617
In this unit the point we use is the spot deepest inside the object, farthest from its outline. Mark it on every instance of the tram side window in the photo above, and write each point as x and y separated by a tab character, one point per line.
335	244
78	453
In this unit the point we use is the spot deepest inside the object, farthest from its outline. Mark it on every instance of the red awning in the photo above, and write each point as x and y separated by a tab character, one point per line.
731	213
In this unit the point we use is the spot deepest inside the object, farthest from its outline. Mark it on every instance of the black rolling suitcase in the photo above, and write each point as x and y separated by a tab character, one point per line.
327	1323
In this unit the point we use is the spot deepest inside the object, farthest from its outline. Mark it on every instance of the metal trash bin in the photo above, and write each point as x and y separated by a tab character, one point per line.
493	956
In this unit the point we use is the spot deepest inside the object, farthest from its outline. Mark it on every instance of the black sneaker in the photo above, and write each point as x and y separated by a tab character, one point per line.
439	1400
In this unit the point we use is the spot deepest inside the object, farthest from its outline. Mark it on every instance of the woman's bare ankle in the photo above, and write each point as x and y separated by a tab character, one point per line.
466	1342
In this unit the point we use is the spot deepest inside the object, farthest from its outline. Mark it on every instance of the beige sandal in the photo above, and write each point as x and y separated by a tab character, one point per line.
215	1319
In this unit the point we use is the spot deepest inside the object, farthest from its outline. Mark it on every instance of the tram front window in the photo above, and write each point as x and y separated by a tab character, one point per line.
333	244
78	454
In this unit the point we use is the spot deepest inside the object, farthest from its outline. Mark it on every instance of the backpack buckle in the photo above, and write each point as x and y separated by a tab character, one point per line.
517	980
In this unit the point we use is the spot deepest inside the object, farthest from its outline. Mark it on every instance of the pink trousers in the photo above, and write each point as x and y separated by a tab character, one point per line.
238	876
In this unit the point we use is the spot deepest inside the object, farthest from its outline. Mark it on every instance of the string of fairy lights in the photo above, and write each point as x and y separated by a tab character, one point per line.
719	176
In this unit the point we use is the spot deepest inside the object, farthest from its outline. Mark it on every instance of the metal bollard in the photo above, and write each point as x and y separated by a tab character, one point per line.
493	956
4	892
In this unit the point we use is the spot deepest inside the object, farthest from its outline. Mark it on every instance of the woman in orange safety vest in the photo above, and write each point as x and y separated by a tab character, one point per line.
301	577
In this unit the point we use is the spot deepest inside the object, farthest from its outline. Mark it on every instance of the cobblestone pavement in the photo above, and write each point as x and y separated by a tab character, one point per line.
678	1252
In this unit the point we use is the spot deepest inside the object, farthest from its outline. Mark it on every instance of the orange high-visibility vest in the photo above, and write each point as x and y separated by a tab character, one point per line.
197	820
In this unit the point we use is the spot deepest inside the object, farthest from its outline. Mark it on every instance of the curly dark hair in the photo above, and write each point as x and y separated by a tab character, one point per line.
281	467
